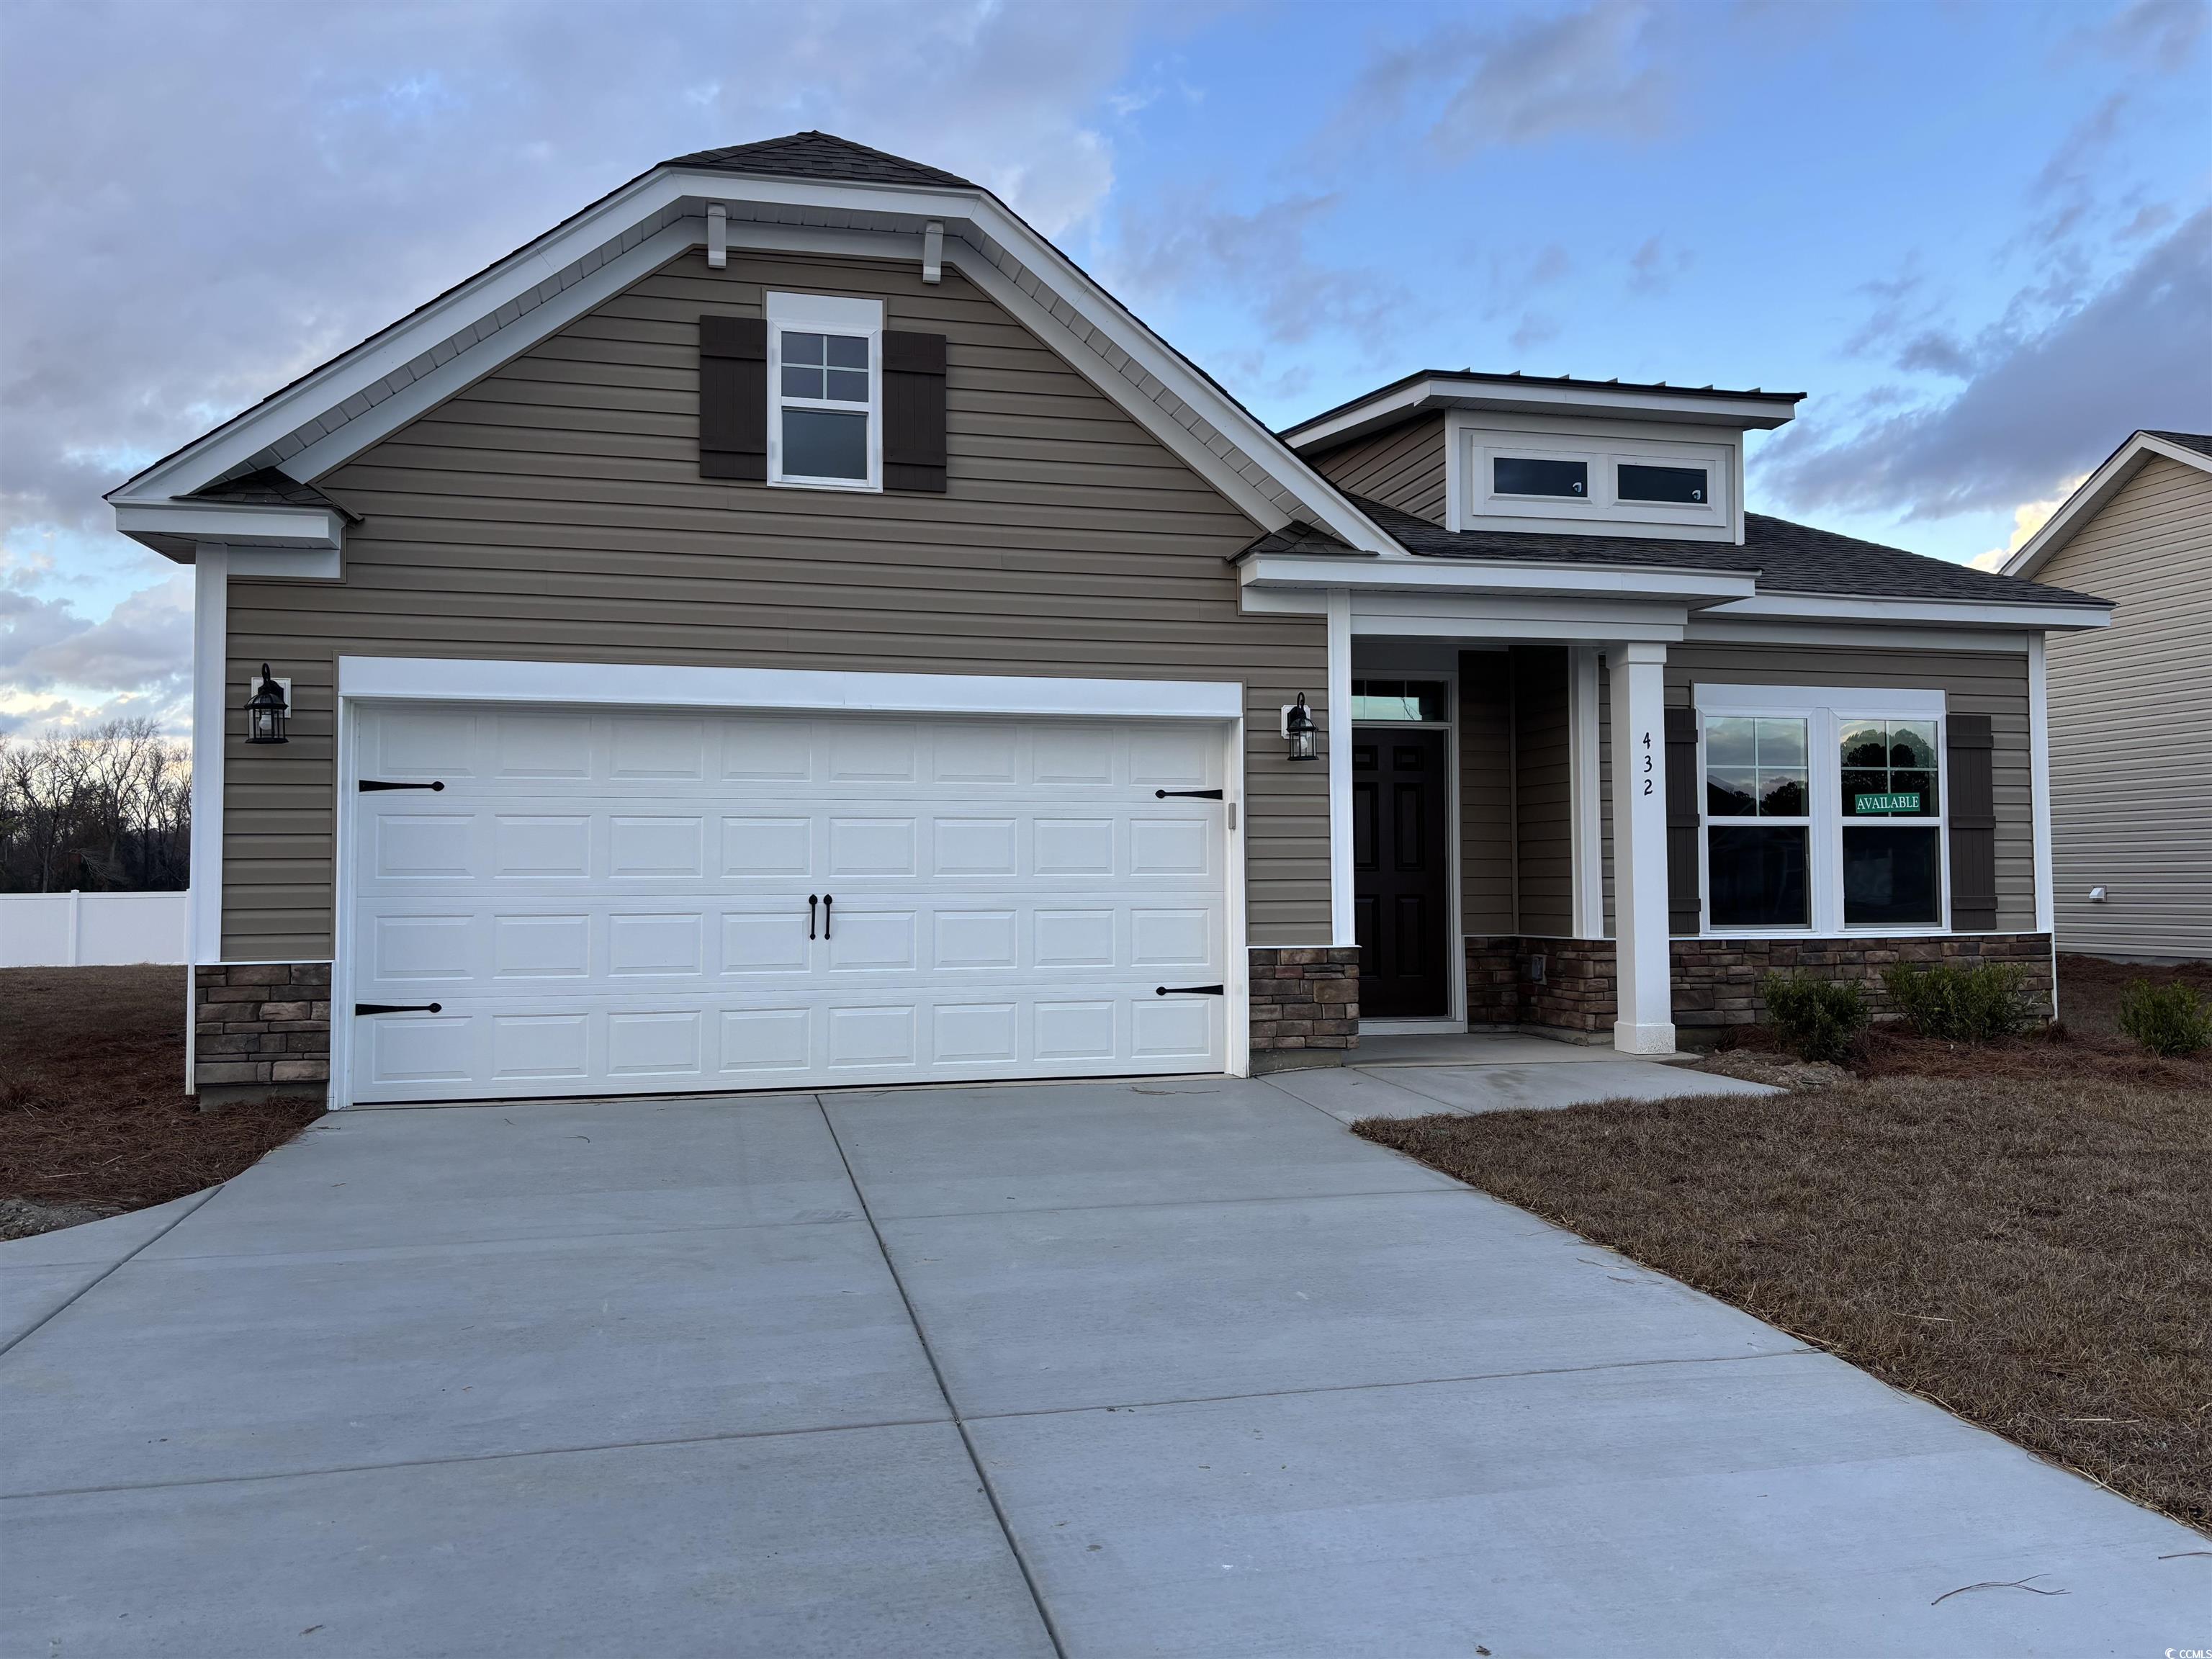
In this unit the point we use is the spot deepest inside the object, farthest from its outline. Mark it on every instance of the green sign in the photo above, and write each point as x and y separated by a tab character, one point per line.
1907	802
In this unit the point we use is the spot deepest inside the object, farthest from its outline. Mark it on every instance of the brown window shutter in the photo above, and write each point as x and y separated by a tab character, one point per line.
914	411
1684	911
734	398
1968	756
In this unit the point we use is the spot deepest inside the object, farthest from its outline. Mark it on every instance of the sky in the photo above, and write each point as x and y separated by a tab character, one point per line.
1978	236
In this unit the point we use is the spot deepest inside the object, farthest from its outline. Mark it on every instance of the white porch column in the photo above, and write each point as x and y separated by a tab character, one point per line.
1341	927
1645	1025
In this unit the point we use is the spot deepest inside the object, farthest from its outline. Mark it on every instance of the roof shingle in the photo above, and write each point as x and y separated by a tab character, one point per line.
813	154
1790	558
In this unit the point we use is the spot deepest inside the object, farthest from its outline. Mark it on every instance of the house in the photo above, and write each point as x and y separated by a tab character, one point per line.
2131	704
788	626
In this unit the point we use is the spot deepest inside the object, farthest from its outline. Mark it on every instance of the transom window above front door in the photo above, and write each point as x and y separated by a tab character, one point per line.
1823	809
1409	701
825	374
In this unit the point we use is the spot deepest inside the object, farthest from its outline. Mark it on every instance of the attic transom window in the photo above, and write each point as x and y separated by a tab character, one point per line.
825	375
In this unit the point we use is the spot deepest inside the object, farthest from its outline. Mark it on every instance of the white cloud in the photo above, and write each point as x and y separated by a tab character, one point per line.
2026	519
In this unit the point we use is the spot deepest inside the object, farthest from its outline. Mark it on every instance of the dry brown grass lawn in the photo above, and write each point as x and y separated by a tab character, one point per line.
2029	1246
93	1113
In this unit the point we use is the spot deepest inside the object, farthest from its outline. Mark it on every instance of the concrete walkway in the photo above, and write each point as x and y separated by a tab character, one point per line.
1173	1367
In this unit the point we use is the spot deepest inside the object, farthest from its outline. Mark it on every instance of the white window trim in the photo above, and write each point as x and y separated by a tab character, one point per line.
1825	709
1474	448
824	313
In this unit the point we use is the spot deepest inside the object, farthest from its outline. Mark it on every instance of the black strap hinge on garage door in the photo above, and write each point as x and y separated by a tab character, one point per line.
1187	795
396	1007
368	785
1190	990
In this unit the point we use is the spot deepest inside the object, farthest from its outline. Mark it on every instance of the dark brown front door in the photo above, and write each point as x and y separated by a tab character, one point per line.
1400	880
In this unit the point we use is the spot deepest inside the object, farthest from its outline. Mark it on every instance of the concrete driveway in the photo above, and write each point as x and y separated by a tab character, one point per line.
1174	1367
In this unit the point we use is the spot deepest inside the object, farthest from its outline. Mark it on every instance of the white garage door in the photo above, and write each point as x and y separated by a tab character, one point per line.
606	904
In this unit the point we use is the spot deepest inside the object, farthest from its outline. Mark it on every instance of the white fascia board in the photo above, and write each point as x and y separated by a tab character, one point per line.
1957	613
645	685
1412	574
1719	628
510	280
1361	417
1534	396
2098	488
1094	314
1516	617
173	528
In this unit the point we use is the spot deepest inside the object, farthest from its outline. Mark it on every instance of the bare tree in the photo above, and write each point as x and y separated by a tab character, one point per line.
109	806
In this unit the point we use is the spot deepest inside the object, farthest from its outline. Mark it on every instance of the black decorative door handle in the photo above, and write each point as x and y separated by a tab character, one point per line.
370	786
396	1007
1190	990
827	901
813	899
1187	795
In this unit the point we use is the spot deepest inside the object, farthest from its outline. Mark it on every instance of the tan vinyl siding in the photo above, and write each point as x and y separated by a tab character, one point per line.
2130	712
1486	783
1402	468
1992	683
554	511
1543	791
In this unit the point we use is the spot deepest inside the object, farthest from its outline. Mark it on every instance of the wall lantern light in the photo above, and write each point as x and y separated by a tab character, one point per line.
266	711
1299	728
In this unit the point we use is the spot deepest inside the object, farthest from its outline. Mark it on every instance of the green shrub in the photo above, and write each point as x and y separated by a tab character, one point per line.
1963	1005
2166	1019
1820	1018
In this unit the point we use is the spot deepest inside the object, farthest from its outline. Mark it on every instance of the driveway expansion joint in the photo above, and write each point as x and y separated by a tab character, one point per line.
91	1284
476	1457
967	1441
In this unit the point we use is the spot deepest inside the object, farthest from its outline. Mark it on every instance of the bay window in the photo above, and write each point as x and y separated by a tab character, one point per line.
1823	809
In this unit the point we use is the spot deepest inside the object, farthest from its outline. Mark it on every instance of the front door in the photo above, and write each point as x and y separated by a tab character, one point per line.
1401	882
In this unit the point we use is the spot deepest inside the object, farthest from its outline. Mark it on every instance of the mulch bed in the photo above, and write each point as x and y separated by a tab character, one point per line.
2019	1231
93	1118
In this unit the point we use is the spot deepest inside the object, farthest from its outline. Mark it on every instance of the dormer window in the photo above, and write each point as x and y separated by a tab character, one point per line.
825	375
1525	474
1687	485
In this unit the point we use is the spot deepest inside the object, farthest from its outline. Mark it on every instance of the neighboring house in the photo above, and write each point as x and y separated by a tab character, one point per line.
2132	705
788	626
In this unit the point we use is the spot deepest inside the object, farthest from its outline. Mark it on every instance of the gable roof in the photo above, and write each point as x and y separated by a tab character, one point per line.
1785	557
807	191
2199	442
811	154
2189	448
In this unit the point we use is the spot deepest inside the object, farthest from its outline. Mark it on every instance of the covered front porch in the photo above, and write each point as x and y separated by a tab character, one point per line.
1522	836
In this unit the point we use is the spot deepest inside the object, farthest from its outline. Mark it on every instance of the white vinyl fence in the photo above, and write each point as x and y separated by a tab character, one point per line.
86	930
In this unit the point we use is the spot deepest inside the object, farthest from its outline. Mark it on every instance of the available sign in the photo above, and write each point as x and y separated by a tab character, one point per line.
1908	801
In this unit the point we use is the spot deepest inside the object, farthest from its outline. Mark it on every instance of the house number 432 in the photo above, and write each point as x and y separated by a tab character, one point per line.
1647	763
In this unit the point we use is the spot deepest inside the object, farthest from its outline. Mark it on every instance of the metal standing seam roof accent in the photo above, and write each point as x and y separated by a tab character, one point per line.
1515	377
1784	558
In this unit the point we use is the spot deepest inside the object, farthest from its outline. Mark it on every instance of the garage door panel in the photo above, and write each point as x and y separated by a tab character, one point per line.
776	847
611	902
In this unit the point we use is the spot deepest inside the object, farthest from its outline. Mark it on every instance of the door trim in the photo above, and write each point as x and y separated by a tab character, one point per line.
644	685
1453	1018
646	688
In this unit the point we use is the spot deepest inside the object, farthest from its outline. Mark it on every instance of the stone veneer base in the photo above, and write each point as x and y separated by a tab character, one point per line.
1716	981
1305	1005
262	1028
